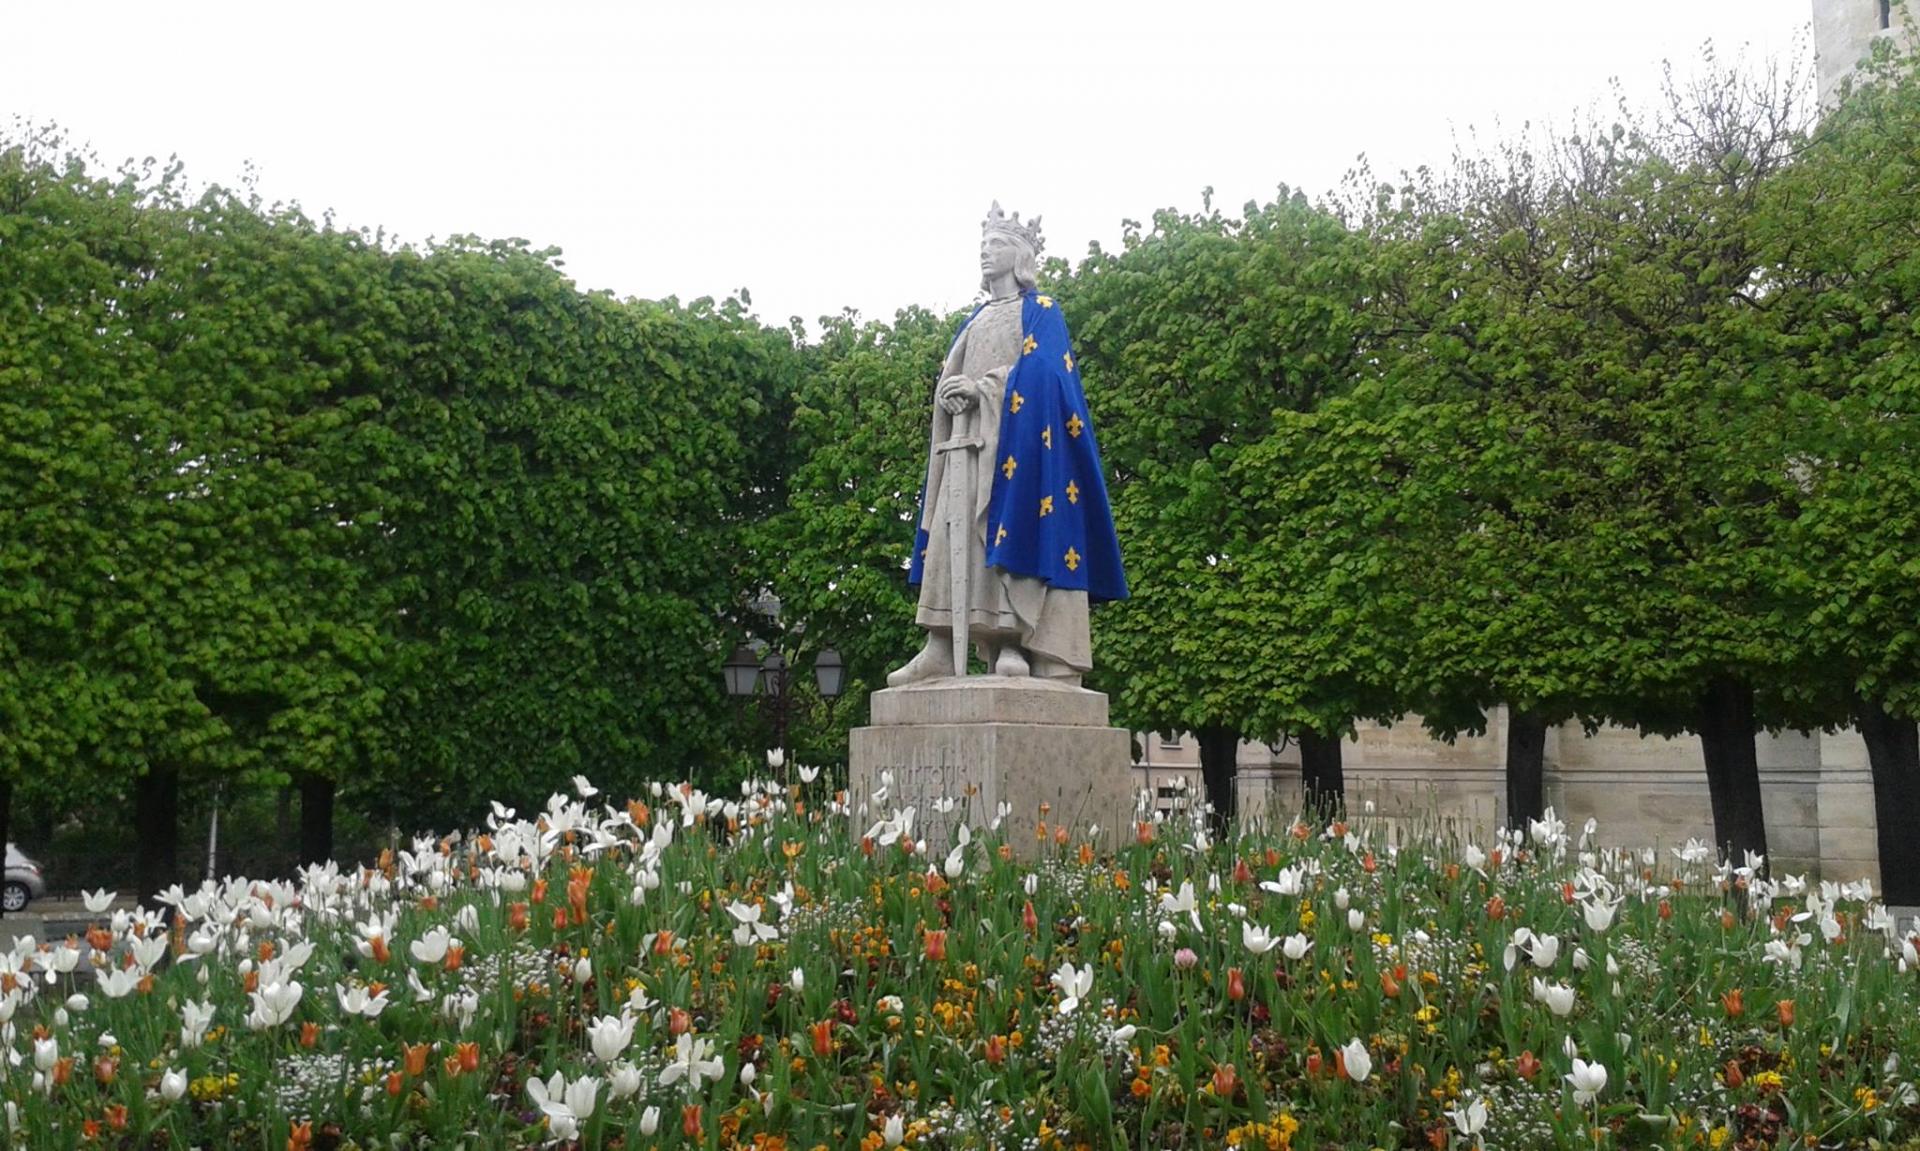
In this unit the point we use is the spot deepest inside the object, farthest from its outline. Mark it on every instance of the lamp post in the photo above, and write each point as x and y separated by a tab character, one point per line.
769	679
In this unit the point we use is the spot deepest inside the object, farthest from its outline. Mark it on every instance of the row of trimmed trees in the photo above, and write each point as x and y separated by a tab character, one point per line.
1618	428
281	504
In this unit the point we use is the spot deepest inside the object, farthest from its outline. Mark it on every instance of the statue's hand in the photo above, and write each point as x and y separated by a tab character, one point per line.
956	395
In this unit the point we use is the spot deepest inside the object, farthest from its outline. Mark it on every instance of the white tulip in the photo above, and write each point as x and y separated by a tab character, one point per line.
1074	986
1558	997
609	1036
1257	939
173	1085
895	1130
431	947
650	1121
1587	1080
97	902
797	979
625	1081
1471	1121
1356	919
119	982
1356	1059
1296	946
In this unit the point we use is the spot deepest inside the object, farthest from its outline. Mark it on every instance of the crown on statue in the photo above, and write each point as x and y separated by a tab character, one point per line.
1027	233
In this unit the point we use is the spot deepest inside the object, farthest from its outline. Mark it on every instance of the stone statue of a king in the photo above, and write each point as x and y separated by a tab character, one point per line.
1014	522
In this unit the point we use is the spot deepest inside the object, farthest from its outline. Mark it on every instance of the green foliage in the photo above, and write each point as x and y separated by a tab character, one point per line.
1199	338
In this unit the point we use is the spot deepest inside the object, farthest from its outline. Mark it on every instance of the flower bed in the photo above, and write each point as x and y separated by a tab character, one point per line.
685	970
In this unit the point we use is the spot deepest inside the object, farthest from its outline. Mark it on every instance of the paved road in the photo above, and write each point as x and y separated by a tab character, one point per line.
48	919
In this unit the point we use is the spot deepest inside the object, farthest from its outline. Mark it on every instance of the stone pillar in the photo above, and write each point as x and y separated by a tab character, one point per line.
986	740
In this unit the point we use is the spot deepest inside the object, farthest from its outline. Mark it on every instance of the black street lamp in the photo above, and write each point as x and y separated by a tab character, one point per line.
769	679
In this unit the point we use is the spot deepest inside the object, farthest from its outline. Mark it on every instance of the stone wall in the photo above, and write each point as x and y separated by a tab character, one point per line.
1844	32
1643	790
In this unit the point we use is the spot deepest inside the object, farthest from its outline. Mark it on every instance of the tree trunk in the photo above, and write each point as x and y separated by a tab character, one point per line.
1219	761
1893	753
6	816
1733	768
1322	777
316	818
1526	767
156	825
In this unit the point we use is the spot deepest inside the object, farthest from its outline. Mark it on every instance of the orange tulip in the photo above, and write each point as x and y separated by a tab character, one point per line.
1726	921
62	1070
936	946
517	916
1388	986
1315	1064
1236	984
679	1022
690	1121
416	1057
1241	872
539	891
1368	864
1666	910
105	1068
1734	1076
1086	854
1734	1002
663	942
1785	1008
1028	919
1143	833
456	955
1496	908
469	1056
559	918
1225	1081
996	1050
396	1083
379	946
1527	1065
116	1116
309	1034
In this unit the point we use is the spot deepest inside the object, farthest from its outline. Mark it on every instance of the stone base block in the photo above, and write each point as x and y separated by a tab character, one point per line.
1043	749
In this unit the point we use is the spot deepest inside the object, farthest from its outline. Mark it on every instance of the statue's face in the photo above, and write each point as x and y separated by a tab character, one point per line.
998	254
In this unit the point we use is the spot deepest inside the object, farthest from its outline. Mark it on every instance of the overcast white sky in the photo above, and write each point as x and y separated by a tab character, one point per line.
821	155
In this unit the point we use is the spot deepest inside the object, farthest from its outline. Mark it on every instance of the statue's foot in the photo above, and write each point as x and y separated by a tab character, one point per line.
1010	662
934	661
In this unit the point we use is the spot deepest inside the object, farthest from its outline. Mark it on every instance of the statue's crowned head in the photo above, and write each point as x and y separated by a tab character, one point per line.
1025	239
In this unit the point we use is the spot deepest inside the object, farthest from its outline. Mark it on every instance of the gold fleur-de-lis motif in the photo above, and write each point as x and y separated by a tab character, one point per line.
1028	345
1007	468
1073	492
1000	535
1044	301
1046	435
1067	358
1017	402
1072	560
1073	426
1046	505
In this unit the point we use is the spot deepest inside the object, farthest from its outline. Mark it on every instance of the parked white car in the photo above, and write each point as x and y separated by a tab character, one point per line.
24	882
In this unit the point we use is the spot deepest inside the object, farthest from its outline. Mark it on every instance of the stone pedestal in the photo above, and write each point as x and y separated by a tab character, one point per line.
986	740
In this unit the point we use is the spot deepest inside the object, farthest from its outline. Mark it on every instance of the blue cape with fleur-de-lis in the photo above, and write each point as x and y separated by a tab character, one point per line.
1047	516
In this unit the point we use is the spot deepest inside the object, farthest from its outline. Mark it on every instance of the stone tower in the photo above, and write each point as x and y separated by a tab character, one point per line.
1844	32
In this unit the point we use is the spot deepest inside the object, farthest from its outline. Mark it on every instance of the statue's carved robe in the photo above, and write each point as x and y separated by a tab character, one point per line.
1030	584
